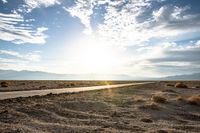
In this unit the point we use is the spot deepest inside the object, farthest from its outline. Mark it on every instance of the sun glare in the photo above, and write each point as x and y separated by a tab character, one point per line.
95	57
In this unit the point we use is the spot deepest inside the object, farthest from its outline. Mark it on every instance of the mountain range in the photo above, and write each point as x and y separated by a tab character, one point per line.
39	75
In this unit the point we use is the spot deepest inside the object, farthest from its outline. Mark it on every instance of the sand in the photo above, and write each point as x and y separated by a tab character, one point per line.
126	109
23	85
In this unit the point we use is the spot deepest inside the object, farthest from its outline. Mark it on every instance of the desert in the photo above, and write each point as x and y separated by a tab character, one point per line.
159	107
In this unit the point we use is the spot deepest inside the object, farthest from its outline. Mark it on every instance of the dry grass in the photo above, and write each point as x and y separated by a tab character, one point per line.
146	120
194	100
4	84
152	106
179	98
139	99
158	99
180	85
169	85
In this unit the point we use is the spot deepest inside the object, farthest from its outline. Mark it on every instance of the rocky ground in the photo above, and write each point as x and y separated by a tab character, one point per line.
157	107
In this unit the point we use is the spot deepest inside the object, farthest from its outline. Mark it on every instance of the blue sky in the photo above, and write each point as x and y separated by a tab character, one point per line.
145	38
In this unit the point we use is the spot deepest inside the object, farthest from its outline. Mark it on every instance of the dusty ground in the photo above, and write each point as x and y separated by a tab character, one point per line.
18	85
128	109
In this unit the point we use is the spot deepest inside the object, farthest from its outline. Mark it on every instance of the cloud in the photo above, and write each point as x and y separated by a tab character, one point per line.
32	4
17	30
176	18
18	61
135	22
34	56
4	1
83	9
169	58
16	64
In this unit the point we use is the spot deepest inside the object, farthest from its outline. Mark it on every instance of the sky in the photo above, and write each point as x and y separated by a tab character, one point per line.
141	38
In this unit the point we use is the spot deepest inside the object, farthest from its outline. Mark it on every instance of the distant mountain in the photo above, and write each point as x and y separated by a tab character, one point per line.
194	76
38	75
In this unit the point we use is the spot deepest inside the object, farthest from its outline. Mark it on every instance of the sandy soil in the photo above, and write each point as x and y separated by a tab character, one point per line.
19	85
126	109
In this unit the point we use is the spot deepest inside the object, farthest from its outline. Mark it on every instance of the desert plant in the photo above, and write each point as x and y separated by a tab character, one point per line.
4	84
169	90
42	87
158	99
180	85
194	100
179	98
169	85
146	120
152	106
72	84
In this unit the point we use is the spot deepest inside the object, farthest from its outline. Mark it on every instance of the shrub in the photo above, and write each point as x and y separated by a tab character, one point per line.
180	85
4	84
158	99
179	98
72	84
152	106
169	85
146	120
169	90
194	100
42	87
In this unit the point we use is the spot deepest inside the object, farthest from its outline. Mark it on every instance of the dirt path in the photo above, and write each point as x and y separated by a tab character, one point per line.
15	94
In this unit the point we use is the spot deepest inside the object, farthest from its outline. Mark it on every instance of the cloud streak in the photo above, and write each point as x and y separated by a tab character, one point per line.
15	29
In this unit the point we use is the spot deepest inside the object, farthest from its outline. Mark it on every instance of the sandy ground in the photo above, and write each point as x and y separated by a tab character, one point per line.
126	109
15	85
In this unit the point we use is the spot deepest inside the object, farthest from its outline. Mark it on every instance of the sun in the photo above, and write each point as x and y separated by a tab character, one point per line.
95	56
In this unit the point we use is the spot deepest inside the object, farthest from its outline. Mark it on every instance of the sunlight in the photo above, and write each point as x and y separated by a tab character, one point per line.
94	56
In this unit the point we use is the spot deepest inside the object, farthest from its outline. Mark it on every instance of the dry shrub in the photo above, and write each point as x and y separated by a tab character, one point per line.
179	98
152	106
139	99
42	87
169	90
72	84
180	85
194	100
4	84
169	85
158	99
146	120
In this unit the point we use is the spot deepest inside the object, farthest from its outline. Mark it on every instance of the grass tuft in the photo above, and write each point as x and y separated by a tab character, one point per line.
179	98
194	100
158	99
4	84
180	85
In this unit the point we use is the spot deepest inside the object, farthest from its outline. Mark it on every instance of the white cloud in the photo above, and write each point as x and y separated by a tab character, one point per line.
32	4
83	9
17	61
33	56
167	59
4	1
121	24
17	30
198	44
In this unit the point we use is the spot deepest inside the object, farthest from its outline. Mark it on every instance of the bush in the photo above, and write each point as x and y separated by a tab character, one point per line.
180	85
179	98
194	100
4	84
158	99
169	85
